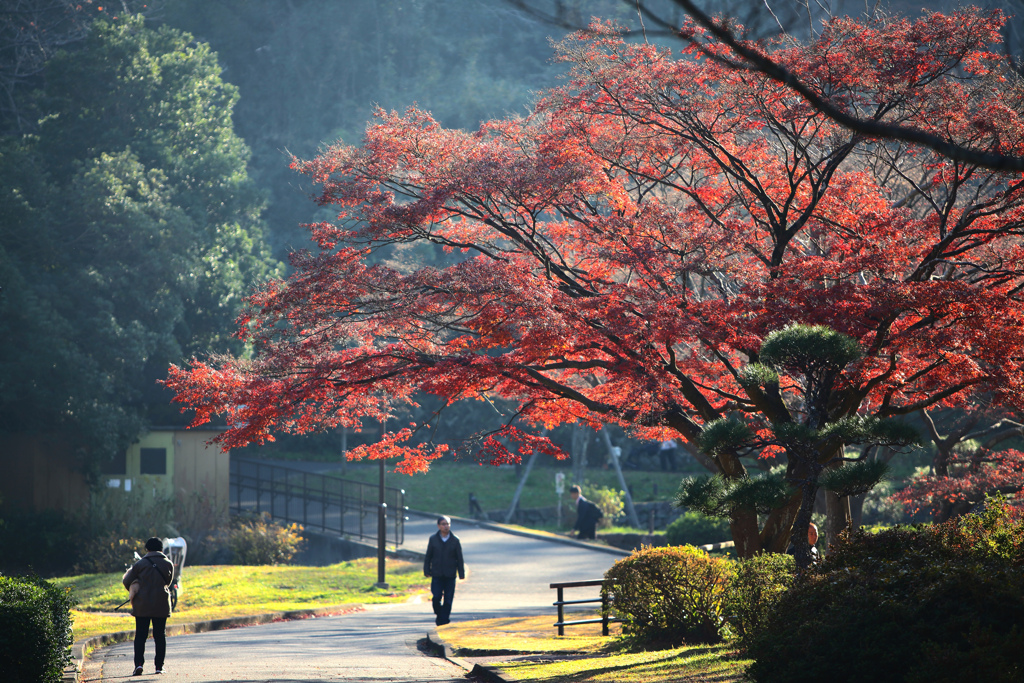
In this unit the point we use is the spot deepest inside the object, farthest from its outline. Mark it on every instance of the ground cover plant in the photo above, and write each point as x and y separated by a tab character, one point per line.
215	592
529	649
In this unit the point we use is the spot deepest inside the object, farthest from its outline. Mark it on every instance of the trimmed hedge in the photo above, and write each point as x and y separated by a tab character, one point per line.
930	604
35	629
670	594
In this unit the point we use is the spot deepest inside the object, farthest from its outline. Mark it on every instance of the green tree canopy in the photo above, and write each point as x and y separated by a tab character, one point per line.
129	229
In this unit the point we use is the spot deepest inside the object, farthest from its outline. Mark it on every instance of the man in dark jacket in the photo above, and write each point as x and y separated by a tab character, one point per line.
587	514
442	564
151	601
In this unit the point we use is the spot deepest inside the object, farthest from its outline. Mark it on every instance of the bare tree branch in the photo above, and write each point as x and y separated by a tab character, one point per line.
756	61
753	60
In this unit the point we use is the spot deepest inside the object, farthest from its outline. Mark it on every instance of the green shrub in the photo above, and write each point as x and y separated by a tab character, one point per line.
756	587
694	528
35	629
611	502
258	540
938	603
670	594
109	552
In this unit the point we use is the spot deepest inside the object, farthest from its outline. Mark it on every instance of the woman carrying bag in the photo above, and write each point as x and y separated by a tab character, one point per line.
151	601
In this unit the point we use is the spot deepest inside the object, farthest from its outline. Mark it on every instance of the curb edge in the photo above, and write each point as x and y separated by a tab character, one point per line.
487	673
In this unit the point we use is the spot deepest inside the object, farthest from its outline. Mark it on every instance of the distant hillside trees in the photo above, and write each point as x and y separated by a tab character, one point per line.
311	71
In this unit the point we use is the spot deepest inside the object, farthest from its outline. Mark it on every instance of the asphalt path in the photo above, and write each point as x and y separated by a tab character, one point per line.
508	575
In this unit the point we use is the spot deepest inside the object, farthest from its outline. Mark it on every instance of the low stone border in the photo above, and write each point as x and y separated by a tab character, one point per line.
81	647
487	673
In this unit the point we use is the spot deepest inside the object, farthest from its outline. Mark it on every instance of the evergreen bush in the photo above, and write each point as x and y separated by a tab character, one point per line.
694	528
35	629
936	604
670	594
757	586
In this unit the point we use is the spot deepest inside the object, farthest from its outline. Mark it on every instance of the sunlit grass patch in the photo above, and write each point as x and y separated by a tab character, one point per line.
688	663
217	592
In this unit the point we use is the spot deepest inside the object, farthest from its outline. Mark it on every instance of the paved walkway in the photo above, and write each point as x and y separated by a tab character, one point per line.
508	575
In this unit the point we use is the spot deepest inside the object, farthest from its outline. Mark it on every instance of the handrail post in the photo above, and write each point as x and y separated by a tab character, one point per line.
561	612
259	487
604	611
341	508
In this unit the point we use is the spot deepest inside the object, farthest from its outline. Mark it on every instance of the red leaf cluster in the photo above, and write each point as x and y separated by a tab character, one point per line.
970	480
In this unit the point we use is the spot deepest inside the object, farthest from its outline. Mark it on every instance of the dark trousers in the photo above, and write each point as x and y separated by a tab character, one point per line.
668	459
159	637
443	590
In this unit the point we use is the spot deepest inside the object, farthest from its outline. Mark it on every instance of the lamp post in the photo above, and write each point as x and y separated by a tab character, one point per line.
382	510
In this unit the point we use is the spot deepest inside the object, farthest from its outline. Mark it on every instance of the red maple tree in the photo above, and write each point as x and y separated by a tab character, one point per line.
619	255
969	464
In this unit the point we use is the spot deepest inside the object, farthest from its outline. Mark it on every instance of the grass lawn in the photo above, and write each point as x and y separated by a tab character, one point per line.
528	649
446	487
216	592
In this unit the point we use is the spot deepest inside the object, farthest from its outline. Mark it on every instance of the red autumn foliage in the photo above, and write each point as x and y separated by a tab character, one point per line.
620	254
971	478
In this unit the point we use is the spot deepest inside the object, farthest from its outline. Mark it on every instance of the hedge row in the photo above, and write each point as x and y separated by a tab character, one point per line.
35	629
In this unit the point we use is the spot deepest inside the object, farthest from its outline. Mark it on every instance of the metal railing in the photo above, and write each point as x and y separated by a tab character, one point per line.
316	501
605	617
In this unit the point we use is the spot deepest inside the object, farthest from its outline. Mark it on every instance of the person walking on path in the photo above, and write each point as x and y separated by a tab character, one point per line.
151	601
442	564
587	514
667	455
